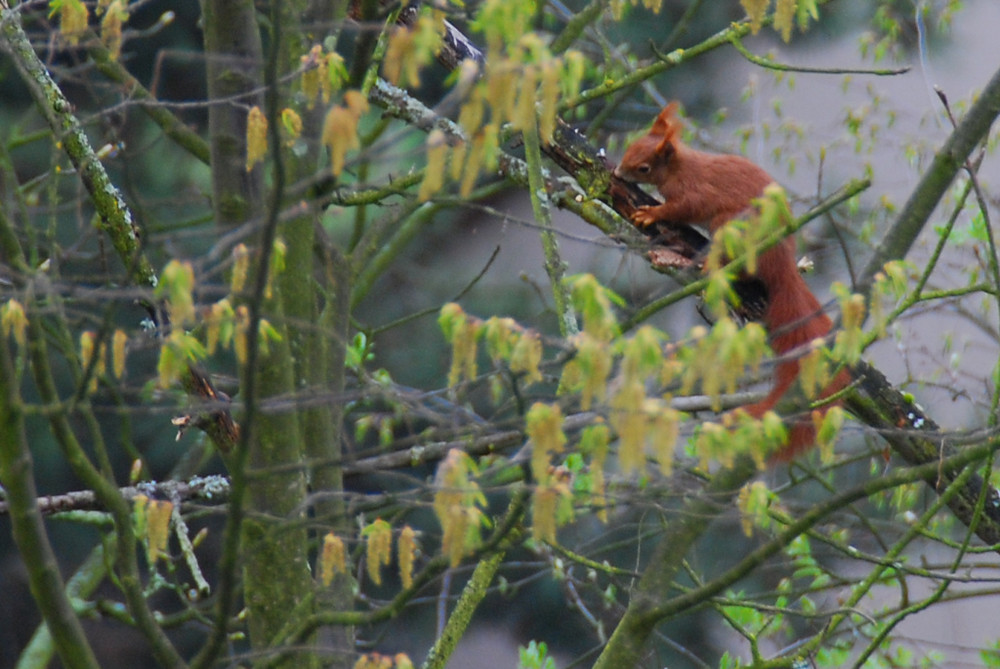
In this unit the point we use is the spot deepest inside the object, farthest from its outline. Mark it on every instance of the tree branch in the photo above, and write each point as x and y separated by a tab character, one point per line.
18	479
200	488
591	169
949	159
114	215
171	126
116	219
917	439
589	166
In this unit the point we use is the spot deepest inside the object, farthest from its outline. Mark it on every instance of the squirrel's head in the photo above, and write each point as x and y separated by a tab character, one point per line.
646	157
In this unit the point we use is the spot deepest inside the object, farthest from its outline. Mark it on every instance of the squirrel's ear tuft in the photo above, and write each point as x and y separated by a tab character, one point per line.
669	129
665	121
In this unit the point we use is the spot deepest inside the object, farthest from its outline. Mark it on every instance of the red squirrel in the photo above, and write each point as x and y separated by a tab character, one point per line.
709	190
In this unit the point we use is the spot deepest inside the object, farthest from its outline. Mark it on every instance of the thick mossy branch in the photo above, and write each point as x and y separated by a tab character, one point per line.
916	438
473	593
115	217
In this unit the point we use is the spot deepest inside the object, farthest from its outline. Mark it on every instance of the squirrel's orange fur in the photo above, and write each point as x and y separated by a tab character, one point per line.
710	189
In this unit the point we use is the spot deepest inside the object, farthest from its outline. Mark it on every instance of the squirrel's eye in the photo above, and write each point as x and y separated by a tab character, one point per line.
643	169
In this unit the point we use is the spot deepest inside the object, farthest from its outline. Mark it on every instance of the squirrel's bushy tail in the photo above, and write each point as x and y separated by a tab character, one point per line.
793	318
802	432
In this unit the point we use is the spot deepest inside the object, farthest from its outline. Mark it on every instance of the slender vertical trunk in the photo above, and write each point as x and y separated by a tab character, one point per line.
276	571
317	328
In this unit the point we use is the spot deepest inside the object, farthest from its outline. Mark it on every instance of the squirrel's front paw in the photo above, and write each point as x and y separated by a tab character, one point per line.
645	216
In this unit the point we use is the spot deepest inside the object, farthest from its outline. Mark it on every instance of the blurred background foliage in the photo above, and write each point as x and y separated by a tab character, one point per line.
487	252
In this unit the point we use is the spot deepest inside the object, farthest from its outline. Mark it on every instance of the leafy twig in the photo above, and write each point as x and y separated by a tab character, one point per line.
769	64
928	192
